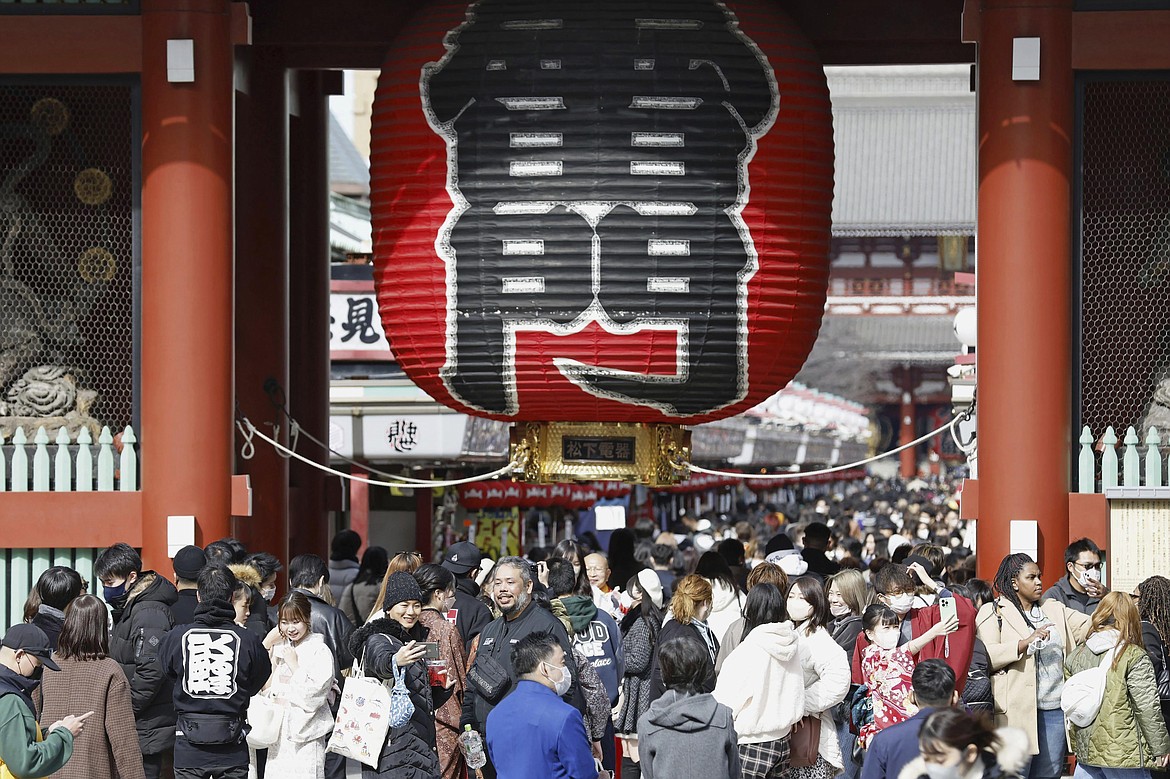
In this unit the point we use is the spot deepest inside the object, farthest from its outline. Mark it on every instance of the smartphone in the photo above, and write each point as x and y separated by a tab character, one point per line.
947	609
432	648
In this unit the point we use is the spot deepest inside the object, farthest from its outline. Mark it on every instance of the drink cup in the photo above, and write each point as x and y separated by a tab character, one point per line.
437	673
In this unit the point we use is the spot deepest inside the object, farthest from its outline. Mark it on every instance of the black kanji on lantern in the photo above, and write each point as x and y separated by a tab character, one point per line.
598	162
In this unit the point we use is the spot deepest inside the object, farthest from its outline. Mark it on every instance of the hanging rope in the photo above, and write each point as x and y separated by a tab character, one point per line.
277	398
805	474
249	430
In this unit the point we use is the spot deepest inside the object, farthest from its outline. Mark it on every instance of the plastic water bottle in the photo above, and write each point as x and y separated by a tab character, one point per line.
472	747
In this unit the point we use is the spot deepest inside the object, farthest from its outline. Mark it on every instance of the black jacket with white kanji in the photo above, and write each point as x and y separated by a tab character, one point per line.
216	667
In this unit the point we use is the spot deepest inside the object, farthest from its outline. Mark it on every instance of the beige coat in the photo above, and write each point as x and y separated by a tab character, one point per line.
1001	627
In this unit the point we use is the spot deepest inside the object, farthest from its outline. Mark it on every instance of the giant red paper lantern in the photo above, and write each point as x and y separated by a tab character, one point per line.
604	210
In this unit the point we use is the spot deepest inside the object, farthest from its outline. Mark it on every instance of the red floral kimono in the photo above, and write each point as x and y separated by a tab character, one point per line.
887	674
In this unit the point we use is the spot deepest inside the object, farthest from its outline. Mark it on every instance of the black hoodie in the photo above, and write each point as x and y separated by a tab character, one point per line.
216	667
139	626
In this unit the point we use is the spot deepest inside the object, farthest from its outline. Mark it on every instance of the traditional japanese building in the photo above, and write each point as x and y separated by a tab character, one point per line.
166	253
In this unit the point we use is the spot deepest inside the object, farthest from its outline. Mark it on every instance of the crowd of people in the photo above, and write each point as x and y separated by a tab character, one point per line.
846	637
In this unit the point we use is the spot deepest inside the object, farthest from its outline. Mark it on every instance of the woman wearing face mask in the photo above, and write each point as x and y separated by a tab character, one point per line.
1128	737
396	642
887	669
687	618
1027	639
763	684
301	683
826	674
951	640
438	597
958	745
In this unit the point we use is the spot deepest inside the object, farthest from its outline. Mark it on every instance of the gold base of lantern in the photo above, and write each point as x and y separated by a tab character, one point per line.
633	452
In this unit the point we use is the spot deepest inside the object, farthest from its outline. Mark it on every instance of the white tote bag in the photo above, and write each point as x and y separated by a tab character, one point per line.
363	719
265	717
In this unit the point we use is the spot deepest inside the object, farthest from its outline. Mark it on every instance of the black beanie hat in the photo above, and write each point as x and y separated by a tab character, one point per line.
399	587
778	542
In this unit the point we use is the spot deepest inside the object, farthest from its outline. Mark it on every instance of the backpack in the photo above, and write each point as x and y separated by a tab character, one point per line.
1084	691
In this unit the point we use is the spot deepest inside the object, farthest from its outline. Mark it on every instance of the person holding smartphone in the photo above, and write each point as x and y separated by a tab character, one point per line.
395	645
1028	637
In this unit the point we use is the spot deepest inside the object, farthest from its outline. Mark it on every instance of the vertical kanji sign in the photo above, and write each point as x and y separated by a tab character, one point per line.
601	211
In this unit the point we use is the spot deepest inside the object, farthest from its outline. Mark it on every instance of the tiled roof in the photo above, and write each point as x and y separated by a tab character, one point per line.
852	351
349	173
905	150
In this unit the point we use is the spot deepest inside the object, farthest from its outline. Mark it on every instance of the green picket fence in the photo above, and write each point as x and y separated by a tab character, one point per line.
20	569
1126	462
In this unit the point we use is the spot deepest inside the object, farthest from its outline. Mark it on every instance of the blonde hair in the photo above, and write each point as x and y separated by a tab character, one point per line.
768	573
689	593
1117	611
854	592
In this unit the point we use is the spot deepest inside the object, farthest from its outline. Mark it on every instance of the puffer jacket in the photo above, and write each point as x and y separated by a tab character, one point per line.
409	751
139	627
1129	731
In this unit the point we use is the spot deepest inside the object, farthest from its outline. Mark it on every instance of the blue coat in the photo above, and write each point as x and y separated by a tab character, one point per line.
533	733
893	748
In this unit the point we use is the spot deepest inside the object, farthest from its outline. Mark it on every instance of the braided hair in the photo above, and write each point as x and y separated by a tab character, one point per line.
1009	569
1154	604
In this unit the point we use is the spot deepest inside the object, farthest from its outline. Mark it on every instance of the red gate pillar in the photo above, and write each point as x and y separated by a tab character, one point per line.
262	327
309	305
907	433
186	325
1024	272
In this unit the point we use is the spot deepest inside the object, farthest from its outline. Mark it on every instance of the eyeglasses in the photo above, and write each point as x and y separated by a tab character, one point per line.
1089	566
417	555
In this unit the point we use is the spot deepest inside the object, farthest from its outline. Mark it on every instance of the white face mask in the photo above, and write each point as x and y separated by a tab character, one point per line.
562	686
901	603
924	533
267	593
799	610
1090	575
838	609
886	637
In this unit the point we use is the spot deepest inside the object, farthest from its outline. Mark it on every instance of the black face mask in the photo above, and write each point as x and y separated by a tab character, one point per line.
38	673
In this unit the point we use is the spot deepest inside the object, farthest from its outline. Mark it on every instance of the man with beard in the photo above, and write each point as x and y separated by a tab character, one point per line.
520	617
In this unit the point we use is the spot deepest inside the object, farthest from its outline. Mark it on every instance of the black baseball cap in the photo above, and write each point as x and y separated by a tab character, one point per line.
33	641
462	557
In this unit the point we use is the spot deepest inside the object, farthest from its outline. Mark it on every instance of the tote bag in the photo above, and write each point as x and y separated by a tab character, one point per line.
264	720
364	717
